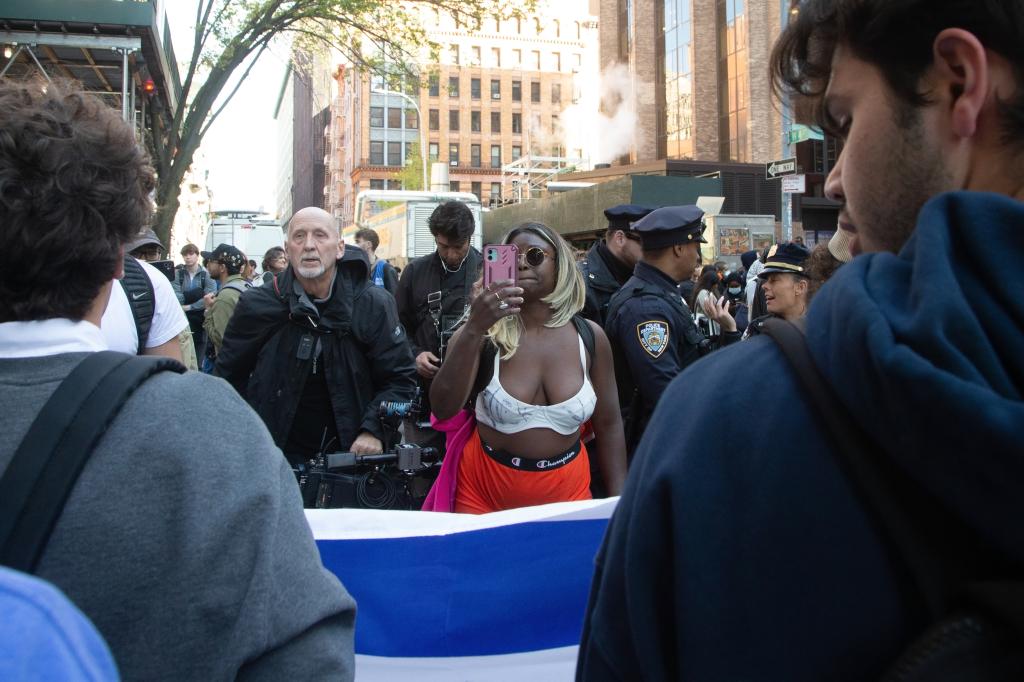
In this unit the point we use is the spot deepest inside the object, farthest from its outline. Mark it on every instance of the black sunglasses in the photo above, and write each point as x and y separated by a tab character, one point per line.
535	256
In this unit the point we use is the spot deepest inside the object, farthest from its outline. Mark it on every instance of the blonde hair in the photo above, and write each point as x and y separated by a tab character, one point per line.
566	299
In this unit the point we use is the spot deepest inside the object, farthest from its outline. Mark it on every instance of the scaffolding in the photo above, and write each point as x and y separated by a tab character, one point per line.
529	175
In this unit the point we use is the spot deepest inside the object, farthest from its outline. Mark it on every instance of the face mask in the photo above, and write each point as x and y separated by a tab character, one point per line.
735	291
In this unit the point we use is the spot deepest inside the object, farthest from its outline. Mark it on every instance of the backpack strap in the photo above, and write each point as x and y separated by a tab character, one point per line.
938	552
586	333
141	297
45	467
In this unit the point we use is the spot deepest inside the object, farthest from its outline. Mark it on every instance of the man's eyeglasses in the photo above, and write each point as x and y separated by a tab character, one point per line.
534	256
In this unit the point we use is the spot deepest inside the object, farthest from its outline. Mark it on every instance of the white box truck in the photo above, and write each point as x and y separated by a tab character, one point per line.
250	232
401	218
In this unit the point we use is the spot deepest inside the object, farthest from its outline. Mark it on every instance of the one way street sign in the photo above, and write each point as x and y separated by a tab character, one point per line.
776	169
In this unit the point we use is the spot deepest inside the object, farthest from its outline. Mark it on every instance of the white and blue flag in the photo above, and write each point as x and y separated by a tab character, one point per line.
457	597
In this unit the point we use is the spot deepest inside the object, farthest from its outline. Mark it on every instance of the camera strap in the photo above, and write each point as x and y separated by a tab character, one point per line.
45	467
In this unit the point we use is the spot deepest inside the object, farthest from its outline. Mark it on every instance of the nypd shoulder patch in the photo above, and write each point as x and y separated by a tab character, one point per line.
653	336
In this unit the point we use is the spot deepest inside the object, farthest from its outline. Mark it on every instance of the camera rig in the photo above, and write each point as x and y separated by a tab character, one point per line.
382	481
398	478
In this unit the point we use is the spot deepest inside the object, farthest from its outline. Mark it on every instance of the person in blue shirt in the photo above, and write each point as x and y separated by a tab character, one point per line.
742	552
382	273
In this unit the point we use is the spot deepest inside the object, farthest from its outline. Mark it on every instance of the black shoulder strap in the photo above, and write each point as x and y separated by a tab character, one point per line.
141	297
940	553
586	333
45	467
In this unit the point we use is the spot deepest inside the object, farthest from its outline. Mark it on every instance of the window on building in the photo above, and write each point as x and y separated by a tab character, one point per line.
495	121
535	91
453	155
556	61
517	57
474	121
557	25
412	119
477	189
517	152
408	152
453	87
535	60
495	88
453	53
517	123
434	87
376	184
535	123
517	91
376	117
434	118
376	153
537	28
519	25
577	59
556	93
496	57
474	155
475	51
474	88
394	118
394	154
434	151
495	156
576	28
453	119
556	123
453	186
495	197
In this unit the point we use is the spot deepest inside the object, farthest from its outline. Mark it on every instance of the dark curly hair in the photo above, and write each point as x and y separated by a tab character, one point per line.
820	267
74	187
453	220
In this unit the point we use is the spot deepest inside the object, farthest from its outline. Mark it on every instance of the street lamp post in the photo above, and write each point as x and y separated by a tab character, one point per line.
423	137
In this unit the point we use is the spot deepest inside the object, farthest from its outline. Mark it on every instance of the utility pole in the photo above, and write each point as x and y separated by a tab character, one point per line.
787	120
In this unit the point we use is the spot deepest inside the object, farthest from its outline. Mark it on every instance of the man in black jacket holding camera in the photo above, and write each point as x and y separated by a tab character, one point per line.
316	350
433	294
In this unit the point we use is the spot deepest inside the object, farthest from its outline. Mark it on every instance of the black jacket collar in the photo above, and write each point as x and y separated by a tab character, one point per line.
653	275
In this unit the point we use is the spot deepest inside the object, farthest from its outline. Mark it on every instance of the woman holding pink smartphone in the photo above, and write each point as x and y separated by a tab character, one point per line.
532	373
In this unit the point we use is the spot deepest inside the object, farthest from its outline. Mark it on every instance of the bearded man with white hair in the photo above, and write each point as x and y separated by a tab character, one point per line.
316	350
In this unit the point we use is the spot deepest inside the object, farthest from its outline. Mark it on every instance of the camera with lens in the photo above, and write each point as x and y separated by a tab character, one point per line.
384	481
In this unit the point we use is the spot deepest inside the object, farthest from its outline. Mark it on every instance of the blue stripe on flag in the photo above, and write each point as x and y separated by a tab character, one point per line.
516	588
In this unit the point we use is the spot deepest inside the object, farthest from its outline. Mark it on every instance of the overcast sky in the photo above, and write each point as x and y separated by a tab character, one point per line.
240	148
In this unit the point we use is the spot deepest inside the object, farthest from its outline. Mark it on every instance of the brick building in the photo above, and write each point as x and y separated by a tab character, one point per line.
497	94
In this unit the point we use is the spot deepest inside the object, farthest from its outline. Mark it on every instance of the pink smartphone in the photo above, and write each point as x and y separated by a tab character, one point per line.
500	261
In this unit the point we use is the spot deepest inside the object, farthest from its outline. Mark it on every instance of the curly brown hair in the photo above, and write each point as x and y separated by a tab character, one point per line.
74	187
820	267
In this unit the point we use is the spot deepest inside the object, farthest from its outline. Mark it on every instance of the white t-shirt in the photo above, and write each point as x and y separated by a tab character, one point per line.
118	325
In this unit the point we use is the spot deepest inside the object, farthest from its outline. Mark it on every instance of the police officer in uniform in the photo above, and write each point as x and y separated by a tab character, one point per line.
785	283
652	331
610	261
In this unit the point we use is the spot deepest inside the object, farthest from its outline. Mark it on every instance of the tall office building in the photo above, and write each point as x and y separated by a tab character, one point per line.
498	94
702	77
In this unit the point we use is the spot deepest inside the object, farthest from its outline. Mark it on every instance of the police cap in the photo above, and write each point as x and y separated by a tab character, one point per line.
789	257
619	217
671	225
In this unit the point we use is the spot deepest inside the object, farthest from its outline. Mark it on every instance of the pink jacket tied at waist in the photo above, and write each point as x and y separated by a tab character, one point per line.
457	430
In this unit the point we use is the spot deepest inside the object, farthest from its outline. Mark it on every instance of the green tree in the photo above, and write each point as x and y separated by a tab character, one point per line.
411	174
233	34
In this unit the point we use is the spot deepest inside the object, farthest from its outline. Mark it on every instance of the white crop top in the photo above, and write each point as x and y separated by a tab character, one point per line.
507	414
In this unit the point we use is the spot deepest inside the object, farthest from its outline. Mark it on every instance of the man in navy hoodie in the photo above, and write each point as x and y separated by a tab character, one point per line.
744	554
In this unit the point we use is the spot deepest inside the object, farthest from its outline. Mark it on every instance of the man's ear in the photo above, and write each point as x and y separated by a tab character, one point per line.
962	71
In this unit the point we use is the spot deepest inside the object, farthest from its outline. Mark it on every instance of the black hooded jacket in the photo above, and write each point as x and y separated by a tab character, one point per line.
365	353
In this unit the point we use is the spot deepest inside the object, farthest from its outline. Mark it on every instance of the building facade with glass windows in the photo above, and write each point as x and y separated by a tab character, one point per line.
700	68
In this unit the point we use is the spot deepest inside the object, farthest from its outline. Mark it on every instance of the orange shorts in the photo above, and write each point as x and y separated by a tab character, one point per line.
486	484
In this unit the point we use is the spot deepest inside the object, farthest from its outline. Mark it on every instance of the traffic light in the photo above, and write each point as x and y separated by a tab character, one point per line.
148	86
